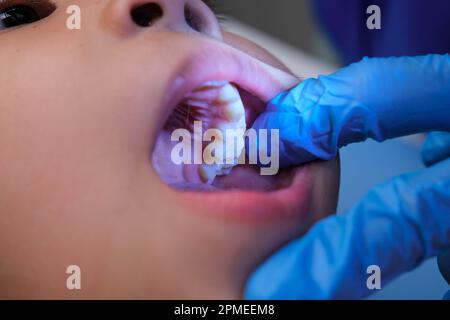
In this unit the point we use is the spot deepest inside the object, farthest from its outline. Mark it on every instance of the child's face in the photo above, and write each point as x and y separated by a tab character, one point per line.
80	113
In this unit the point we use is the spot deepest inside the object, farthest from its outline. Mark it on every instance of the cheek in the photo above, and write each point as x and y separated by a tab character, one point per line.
65	141
254	50
69	119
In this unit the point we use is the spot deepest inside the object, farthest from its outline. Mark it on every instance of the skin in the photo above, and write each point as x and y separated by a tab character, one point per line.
79	115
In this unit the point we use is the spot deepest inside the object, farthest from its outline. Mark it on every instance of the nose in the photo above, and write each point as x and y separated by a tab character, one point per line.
189	16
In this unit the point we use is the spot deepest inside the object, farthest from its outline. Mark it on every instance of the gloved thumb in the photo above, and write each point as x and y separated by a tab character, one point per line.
436	148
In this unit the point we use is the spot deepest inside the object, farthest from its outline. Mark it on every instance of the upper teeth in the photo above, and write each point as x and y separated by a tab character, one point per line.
232	118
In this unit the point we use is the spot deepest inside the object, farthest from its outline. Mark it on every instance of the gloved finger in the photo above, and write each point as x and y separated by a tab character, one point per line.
447	296
296	138
395	227
444	265
436	148
401	96
299	99
378	98
302	124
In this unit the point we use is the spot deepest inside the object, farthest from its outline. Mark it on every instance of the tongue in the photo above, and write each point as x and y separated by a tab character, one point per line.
248	177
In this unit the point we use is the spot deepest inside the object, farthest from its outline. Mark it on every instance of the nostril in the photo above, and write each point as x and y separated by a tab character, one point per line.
192	19
146	14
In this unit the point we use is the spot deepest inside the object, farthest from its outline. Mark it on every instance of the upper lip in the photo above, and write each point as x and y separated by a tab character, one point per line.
217	61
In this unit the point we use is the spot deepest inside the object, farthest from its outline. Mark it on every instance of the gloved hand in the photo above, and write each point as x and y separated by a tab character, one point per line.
436	149
447	296
444	265
378	98
396	226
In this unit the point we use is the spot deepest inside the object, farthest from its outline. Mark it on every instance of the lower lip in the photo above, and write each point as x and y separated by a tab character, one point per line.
294	200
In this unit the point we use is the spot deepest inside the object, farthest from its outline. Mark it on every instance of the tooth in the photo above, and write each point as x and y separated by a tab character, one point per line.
233	149
234	111
231	113
223	126
209	159
208	172
242	123
228	94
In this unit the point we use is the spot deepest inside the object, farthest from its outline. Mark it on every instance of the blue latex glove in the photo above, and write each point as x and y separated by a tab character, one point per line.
398	224
436	149
378	98
396	227
447	296
444	265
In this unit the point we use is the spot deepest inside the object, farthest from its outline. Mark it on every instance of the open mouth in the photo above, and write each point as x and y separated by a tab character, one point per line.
241	193
229	110
225	97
